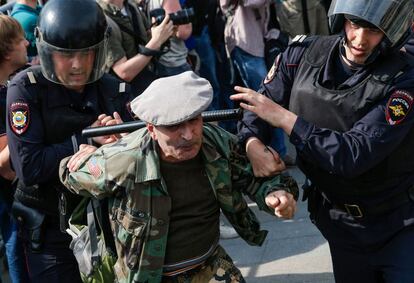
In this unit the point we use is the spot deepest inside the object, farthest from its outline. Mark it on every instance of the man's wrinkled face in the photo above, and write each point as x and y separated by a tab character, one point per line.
73	69
179	142
360	41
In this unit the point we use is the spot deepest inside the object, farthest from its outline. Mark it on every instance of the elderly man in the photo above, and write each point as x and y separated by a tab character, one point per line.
168	183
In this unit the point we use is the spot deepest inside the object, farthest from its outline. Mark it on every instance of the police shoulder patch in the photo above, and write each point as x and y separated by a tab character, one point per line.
19	115
398	106
272	72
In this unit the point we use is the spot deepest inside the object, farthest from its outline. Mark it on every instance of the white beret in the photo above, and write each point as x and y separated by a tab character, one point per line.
173	100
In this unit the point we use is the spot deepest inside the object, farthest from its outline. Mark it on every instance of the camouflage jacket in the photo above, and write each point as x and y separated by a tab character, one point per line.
129	171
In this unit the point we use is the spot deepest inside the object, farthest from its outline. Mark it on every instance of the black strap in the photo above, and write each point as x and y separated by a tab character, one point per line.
135	24
131	33
389	204
93	234
134	33
149	52
305	16
102	212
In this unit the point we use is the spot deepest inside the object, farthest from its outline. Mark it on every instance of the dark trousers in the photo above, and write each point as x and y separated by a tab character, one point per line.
219	267
377	250
55	262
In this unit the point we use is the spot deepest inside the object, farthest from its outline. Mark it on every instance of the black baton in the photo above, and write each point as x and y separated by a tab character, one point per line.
127	127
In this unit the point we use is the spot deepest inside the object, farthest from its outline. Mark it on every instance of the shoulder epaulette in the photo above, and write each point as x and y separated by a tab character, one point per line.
302	40
299	38
122	86
31	77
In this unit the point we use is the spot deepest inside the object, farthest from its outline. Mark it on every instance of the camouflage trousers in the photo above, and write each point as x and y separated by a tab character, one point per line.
219	267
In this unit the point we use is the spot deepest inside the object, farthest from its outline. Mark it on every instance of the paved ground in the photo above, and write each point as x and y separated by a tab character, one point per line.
293	252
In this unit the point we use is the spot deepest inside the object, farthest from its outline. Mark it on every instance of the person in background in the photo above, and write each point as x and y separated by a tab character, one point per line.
47	108
26	12
245	34
297	17
167	184
174	61
130	47
13	56
350	98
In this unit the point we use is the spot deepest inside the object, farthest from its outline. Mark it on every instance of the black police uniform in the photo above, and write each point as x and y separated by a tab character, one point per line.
354	139
44	126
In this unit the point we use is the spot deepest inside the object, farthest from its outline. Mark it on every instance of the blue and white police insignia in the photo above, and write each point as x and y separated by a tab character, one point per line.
398	106
19	116
272	72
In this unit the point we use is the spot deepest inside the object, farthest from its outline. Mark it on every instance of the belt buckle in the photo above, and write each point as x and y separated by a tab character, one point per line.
353	210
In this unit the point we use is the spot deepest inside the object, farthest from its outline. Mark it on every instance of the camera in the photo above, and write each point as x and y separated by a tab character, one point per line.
181	17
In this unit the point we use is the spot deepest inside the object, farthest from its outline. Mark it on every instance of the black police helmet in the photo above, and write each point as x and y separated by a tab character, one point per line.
72	29
392	17
72	24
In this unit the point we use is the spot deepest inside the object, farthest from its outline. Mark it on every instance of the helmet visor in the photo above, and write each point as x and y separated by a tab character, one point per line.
393	17
72	67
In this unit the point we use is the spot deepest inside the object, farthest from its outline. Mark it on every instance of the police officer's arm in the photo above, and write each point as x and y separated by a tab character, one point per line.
265	108
350	153
33	160
254	131
128	69
276	195
182	31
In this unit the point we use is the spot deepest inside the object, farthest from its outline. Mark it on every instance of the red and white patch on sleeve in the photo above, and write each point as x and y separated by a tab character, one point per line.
272	72
94	168
398	106
19	115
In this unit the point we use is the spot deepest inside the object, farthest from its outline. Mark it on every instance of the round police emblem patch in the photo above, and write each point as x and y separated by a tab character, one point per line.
398	106
19	117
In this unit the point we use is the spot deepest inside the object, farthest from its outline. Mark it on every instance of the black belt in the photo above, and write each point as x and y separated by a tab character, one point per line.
358	211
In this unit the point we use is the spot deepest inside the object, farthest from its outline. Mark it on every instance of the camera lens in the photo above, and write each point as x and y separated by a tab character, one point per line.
182	17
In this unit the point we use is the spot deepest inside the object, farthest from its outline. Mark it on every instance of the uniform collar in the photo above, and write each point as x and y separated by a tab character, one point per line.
335	68
58	95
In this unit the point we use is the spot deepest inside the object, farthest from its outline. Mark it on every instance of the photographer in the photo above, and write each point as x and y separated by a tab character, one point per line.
174	61
129	48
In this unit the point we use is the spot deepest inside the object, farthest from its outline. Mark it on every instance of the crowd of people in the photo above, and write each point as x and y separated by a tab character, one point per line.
146	206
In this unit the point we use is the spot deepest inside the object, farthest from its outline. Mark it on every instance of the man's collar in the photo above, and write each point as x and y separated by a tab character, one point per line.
148	166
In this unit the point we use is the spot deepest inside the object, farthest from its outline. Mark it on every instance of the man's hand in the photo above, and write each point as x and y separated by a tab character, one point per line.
105	120
85	150
282	202
265	160
161	33
265	108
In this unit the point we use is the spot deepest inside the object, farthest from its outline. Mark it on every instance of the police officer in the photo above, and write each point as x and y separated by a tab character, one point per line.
48	106
350	98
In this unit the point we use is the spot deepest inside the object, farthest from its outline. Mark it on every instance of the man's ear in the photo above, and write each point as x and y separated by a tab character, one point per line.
150	128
